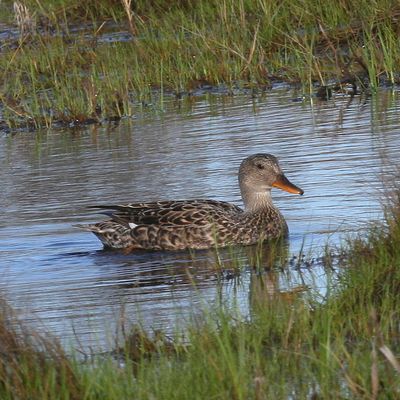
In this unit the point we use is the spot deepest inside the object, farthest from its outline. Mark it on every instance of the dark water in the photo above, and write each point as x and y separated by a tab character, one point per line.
340	152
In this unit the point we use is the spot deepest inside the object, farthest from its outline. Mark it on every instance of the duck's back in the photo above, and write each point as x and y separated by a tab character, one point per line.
168	225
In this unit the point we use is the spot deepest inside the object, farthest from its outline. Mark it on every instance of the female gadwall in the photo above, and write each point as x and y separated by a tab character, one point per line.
201	224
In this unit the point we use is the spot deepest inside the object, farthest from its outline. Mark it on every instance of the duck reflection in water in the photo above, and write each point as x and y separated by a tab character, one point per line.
265	264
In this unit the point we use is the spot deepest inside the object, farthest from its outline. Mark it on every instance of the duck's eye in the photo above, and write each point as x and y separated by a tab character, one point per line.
260	166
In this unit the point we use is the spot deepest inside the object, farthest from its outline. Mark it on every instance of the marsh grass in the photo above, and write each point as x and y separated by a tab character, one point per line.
293	344
54	72
32	366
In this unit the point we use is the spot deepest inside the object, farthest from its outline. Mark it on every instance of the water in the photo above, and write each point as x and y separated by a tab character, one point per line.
340	152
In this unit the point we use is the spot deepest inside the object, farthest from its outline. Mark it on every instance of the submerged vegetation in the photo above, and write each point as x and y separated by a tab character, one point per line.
293	345
81	62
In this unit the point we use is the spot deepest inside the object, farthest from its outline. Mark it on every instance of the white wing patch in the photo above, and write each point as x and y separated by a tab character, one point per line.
132	225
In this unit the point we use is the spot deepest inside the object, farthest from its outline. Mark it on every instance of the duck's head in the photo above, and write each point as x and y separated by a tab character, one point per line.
260	172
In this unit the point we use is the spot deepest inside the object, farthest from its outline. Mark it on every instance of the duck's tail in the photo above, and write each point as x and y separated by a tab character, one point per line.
110	233
88	227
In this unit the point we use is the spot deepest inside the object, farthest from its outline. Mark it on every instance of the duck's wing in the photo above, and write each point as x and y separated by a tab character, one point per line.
170	213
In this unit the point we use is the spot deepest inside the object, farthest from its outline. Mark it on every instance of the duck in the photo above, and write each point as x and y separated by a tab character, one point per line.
201	223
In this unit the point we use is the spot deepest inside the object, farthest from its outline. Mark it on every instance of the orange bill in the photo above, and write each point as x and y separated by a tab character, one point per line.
283	183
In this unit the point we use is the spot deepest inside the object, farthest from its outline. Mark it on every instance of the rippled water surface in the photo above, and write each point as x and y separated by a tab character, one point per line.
340	152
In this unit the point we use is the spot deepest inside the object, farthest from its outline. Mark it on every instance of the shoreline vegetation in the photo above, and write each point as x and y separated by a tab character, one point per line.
346	346
74	62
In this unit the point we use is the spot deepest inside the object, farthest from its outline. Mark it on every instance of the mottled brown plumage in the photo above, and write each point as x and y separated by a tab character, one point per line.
200	224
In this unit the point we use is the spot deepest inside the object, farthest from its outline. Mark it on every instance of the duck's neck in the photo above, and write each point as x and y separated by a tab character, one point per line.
257	201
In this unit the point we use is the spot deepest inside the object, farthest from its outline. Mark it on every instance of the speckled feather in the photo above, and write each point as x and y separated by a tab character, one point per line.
196	224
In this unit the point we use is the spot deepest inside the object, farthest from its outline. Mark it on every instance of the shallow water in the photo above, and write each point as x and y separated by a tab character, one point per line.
341	152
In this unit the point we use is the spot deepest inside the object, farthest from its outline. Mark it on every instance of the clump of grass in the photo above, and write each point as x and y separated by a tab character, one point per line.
295	346
53	73
31	365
